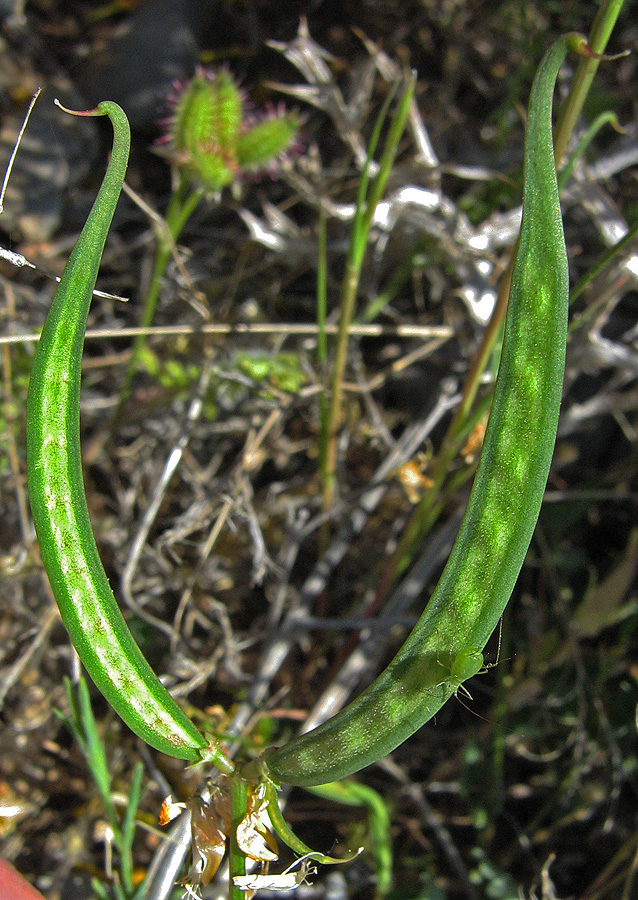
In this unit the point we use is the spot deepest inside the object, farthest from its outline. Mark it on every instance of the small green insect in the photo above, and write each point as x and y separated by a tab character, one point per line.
58	502
466	664
470	662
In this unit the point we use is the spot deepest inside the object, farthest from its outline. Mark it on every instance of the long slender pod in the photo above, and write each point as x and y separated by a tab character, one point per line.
506	496
56	490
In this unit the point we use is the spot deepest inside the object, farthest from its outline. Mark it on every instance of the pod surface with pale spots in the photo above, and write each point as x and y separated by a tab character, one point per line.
506	496
56	491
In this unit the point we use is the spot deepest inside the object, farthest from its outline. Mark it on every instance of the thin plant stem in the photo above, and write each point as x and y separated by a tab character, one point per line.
128	828
605	118
322	337
237	862
362	224
588	65
348	296
180	208
594	272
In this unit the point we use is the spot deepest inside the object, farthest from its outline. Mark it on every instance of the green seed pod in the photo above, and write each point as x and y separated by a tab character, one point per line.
58	501
506	498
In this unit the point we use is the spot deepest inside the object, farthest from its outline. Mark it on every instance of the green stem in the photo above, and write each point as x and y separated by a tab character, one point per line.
237	862
597	42
594	272
128	830
362	224
322	340
180	209
605	118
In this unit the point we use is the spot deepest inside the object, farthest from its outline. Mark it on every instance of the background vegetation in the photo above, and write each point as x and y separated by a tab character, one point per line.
209	514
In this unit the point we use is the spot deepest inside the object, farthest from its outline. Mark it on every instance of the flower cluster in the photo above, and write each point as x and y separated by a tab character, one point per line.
213	140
